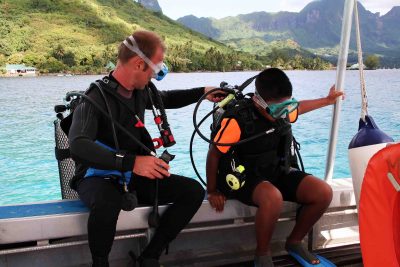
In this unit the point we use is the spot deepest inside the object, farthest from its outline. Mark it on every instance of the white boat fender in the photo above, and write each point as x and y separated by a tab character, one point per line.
368	141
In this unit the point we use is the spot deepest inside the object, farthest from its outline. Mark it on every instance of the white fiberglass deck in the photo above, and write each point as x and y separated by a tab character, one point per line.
59	227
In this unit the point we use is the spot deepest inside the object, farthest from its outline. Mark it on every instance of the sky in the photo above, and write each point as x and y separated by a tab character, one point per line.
224	8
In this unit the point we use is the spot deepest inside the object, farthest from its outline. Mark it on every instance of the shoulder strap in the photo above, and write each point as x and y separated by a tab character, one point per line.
243	113
112	90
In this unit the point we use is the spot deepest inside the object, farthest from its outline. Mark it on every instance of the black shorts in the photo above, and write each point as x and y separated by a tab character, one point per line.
287	184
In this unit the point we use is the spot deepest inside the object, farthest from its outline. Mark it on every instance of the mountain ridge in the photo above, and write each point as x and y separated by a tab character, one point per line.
83	36
316	28
152	5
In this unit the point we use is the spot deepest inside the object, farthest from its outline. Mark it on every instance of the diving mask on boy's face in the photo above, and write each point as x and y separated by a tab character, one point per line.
160	70
277	110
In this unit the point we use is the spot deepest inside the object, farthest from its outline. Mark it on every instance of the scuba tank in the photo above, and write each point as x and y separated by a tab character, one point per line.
73	98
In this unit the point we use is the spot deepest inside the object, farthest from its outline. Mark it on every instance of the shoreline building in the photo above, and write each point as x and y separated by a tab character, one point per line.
20	70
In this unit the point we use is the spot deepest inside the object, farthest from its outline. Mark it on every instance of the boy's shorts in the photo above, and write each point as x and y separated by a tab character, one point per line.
287	184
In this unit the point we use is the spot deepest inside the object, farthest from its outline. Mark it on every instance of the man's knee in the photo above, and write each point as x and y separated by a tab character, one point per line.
194	190
189	191
106	207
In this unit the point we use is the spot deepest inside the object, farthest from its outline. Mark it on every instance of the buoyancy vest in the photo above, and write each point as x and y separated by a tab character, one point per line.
266	157
127	114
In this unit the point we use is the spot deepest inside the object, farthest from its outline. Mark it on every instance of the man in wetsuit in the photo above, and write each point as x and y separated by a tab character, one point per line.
93	148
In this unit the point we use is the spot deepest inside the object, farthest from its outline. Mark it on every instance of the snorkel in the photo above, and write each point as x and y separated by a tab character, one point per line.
160	70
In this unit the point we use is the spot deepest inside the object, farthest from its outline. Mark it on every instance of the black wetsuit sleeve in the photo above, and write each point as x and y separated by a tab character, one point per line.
180	98
82	136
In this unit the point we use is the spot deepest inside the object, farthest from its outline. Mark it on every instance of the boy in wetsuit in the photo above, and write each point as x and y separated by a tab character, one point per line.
269	178
91	143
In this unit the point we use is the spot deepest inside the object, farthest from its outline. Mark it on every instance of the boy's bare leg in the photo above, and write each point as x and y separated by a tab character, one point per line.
269	201
315	195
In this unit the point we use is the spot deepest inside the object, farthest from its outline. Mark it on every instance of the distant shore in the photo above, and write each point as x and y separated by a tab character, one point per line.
105	73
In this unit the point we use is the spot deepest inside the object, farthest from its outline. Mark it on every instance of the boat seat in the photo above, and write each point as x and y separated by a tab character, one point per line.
68	218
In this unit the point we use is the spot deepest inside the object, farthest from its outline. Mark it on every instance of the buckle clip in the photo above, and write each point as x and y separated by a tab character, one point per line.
120	155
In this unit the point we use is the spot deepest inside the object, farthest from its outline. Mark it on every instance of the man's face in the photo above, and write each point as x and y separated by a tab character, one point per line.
145	72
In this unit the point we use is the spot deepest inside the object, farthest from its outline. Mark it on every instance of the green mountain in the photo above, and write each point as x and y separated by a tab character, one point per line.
82	36
316	28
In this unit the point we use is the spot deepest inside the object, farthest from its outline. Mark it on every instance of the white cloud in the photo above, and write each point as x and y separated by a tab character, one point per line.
382	6
224	8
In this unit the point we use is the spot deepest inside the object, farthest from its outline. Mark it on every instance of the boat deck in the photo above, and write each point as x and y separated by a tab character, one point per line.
54	233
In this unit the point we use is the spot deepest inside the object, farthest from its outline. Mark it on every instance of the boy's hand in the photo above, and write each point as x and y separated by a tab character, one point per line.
333	95
217	201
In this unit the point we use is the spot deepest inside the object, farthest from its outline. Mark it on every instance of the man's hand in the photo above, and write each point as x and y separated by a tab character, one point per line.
151	167
216	96
333	95
217	201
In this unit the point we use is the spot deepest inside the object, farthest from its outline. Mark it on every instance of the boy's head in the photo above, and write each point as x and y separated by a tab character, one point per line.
273	85
273	96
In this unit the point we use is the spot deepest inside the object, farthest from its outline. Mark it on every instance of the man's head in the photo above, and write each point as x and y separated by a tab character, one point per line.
138	72
273	96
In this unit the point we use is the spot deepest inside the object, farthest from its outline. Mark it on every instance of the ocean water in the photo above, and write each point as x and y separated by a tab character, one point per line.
28	169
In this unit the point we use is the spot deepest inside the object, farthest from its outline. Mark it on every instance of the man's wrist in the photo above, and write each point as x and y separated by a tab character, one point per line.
128	162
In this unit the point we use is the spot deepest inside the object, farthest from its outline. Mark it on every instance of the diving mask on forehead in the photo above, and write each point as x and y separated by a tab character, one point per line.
160	70
278	110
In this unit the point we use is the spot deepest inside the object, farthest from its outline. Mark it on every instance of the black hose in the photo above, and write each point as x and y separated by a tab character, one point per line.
159	105
297	150
191	156
197	126
114	132
122	128
197	130
154	217
231	144
246	83
129	201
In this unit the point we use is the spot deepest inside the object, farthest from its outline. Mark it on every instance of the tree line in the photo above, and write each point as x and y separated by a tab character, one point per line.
179	58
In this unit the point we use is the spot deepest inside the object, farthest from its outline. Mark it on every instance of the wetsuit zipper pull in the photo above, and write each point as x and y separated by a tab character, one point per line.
139	123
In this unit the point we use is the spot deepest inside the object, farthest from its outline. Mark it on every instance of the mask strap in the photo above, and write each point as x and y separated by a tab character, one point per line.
259	100
135	48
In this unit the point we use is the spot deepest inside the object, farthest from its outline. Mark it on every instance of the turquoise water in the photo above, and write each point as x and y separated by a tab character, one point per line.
28	170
